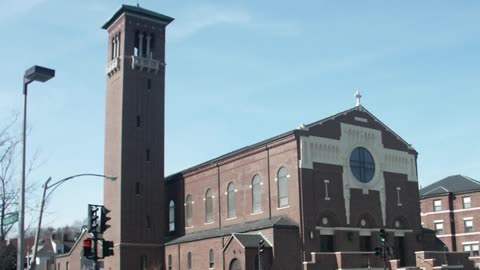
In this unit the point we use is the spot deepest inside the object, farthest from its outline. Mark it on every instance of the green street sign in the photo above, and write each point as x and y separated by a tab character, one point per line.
10	218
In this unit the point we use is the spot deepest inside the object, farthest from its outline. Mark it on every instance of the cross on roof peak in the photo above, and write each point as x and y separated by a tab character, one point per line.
358	96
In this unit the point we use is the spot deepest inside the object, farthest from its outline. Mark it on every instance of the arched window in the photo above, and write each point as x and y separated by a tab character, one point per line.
189	261
188	211
282	187
211	259
171	216
256	194
231	205
170	262
208	206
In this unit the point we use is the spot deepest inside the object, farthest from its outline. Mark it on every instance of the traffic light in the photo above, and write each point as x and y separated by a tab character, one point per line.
383	235
88	248
93	218
104	219
107	248
261	246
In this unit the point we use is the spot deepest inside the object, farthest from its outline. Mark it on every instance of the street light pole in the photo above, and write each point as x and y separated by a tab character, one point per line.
40	74
45	197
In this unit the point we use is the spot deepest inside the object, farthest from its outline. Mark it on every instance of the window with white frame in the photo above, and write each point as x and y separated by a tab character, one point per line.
256	194
468	225
171	216
282	177
439	228
188	211
231	201
209	206
467	202
471	248
437	205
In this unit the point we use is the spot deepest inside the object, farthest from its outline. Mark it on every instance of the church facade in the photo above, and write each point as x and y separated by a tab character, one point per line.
315	197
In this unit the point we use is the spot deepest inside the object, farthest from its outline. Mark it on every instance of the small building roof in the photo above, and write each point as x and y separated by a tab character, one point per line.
455	184
250	240
275	222
137	10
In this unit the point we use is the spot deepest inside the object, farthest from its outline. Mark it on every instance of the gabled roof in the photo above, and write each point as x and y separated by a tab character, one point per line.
137	10
284	135
275	222
250	240
453	184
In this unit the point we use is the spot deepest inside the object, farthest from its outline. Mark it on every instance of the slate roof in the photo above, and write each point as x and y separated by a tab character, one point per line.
250	240
455	184
275	222
138	11
283	135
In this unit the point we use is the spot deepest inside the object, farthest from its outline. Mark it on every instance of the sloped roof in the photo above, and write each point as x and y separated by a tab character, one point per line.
452	184
250	240
72	248
283	135
275	222
137	10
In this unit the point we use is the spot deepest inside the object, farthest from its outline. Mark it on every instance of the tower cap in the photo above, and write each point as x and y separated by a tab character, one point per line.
138	11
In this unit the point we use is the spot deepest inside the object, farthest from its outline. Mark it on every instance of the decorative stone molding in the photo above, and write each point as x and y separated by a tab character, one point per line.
149	64
337	152
113	66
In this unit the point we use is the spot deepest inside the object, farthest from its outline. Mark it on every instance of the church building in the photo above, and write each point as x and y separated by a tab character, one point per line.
315	197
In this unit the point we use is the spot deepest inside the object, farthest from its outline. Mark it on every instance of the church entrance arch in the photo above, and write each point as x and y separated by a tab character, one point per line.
235	265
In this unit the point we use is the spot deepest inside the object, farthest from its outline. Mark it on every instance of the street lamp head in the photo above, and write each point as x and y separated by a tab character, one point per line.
39	74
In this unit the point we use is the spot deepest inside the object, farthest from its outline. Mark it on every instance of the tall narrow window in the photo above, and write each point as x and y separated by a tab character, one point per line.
208	206
170	262
211	259
231	201
137	188
149	84
282	187
171	216
189	261
468	225
147	222
139	121
467	202
188	211
256	194
147	155
437	205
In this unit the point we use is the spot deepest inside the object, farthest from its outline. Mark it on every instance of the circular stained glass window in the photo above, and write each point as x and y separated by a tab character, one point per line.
362	164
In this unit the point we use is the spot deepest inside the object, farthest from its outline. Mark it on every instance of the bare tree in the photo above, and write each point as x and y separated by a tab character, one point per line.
9	174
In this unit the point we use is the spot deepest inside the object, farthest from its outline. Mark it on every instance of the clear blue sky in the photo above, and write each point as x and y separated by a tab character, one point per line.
239	72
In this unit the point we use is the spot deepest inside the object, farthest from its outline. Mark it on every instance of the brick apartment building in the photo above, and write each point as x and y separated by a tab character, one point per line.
316	195
451	207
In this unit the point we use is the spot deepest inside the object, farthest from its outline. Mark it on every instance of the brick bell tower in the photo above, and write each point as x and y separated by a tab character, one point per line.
134	138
